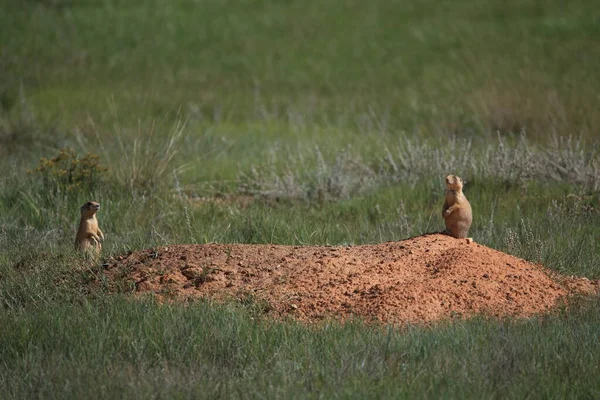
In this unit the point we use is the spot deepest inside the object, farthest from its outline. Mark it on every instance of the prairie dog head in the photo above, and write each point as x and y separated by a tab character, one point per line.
454	182
89	209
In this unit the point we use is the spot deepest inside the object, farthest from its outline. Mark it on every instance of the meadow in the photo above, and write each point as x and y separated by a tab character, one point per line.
284	122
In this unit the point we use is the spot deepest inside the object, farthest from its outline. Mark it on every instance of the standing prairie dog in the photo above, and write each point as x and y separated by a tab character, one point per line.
457	210
89	236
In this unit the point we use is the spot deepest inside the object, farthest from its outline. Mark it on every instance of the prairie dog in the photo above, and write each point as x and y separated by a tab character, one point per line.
457	211
89	236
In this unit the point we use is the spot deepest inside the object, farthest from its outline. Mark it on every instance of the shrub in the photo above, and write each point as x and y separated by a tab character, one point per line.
68	172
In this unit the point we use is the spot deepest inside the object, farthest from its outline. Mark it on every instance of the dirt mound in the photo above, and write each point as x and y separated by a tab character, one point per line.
421	279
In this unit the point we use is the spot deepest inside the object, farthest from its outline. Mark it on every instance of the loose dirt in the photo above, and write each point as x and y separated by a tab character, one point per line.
422	279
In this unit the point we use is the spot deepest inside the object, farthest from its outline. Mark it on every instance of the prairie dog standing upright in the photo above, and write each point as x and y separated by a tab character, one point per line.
89	236
457	210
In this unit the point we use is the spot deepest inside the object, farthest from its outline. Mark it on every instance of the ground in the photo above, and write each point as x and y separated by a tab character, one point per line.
422	279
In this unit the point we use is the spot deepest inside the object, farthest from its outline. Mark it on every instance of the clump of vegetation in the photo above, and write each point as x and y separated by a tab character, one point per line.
308	177
67	172
315	181
141	160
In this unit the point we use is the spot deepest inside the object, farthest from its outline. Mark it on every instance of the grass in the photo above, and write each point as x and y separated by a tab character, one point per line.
283	122
428	67
139	349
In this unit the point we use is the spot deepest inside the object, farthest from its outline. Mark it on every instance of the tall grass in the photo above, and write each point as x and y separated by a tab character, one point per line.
306	175
142	160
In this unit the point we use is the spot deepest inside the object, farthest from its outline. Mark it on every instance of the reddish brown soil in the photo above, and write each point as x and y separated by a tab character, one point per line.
421	279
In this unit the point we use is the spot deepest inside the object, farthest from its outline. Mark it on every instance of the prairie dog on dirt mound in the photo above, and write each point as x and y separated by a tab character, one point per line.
89	236
457	210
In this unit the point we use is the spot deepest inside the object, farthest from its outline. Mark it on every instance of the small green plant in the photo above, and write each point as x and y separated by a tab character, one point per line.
68	172
256	305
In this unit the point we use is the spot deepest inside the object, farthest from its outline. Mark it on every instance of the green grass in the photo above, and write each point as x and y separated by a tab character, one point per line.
140	349
296	123
436	67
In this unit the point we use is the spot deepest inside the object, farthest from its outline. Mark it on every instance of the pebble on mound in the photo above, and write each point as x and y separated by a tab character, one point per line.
422	279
